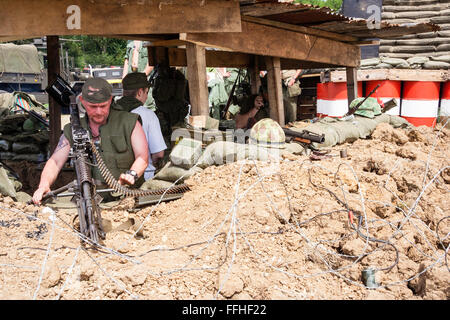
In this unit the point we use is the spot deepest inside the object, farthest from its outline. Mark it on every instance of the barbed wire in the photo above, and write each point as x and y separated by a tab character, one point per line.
319	247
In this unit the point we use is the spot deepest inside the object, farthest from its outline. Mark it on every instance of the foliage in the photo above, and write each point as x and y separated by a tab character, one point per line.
91	50
333	4
95	50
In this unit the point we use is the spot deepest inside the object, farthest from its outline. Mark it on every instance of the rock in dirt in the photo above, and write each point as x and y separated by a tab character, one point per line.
52	275
408	152
262	216
385	132
353	247
233	285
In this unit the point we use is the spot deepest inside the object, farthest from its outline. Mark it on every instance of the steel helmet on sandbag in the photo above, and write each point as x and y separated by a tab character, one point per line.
267	133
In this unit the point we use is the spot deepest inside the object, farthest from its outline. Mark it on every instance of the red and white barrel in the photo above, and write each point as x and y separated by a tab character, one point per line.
445	100
420	102
388	89
322	98
332	98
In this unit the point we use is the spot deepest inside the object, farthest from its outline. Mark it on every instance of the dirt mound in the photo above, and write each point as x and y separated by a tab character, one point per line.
297	229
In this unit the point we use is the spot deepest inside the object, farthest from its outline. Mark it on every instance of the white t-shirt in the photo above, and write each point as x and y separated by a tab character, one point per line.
155	139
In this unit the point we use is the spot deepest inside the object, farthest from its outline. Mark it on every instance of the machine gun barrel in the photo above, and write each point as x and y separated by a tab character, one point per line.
305	135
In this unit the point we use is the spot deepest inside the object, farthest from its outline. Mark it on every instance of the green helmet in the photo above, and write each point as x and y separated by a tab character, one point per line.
267	133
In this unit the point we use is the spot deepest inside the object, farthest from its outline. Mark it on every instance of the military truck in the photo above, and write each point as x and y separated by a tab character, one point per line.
22	69
113	75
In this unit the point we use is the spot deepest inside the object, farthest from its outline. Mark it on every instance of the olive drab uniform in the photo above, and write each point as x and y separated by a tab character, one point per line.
218	96
290	95
141	64
115	144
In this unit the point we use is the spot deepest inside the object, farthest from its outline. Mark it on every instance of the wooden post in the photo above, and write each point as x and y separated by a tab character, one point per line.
352	84
255	79
274	89
196	74
54	107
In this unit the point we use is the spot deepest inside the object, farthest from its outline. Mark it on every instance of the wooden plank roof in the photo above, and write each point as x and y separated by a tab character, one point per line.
326	19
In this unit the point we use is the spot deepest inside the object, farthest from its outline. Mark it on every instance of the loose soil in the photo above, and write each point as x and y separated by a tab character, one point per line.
298	229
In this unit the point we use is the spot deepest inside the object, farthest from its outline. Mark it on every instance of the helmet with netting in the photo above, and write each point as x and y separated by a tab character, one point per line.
267	133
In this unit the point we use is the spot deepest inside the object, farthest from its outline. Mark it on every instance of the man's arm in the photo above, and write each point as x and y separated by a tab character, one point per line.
52	169
140	149
294	78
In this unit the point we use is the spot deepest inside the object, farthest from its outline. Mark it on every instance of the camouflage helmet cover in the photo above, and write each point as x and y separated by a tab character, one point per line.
267	133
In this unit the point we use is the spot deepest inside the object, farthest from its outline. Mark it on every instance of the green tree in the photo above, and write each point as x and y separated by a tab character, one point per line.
95	50
333	4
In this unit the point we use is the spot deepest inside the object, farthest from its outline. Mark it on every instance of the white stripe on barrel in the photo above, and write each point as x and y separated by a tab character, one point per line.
332	99
445	101
420	102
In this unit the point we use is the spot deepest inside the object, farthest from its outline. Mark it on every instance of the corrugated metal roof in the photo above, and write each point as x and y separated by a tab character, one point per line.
326	19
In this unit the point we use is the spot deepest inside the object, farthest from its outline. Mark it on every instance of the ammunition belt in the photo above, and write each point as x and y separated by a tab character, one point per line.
114	184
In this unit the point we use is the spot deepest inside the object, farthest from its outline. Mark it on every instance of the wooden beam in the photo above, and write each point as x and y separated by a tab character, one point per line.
269	41
53	106
352	84
255	79
274	89
389	74
102	17
168	43
301	29
229	59
196	74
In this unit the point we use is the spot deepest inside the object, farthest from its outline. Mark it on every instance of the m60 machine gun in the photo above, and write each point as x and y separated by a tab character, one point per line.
84	154
85	195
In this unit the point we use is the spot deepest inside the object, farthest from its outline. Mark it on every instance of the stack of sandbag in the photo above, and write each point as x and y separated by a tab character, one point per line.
433	45
413	62
180	167
22	137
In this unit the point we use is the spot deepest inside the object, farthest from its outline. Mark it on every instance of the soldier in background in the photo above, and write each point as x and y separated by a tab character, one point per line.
136	60
291	91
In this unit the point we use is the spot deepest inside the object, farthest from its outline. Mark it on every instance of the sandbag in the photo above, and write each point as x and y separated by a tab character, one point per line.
35	157
417	60
6	185
222	152
444	58
186	153
398	122
295	148
383	66
155	184
24	148
443	47
7	155
392	61
172	173
436	65
347	131
5	145
370	62
23	197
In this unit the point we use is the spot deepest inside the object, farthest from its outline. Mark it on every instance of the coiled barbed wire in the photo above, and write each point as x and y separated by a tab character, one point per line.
114	184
